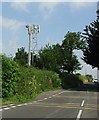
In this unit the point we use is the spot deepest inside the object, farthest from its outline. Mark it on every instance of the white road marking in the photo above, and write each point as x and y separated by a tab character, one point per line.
53	95
82	104
30	103
25	104
80	111
13	106
79	115
45	98
7	107
49	97
62	92
20	105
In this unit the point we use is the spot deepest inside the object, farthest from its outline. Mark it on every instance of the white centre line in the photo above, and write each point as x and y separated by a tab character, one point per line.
79	115
80	111
82	104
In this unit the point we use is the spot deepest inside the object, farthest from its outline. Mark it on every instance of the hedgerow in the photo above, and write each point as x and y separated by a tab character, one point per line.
23	83
10	76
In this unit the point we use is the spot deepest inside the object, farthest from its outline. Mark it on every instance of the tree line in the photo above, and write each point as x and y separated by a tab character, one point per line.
60	57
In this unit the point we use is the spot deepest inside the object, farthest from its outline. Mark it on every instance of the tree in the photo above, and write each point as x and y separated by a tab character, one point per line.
70	43
89	77
21	57
61	58
91	50
49	57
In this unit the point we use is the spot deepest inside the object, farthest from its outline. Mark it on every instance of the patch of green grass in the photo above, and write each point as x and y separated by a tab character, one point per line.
17	99
22	99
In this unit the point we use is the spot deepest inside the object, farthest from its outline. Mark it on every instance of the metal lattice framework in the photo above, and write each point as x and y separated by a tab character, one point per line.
33	30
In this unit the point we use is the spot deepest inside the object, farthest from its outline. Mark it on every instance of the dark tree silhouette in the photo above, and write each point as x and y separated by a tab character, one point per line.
91	51
21	57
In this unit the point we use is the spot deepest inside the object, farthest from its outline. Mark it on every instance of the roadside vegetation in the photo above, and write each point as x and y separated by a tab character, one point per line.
20	84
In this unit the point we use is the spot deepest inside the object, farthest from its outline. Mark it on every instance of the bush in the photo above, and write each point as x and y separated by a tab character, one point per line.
34	81
24	83
10	76
70	81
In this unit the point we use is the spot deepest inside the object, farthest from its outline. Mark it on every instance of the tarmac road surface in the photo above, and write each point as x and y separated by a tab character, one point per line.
57	104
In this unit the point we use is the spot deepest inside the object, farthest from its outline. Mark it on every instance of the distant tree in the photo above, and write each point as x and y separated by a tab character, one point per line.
35	60
21	57
91	37
70	43
89	77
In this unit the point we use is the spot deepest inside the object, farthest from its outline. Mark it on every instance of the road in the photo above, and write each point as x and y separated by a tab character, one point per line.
57	104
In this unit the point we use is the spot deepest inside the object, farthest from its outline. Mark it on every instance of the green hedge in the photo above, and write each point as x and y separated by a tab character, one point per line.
34	81
23	83
10	76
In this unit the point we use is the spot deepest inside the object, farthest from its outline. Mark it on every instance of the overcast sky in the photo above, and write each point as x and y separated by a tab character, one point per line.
55	20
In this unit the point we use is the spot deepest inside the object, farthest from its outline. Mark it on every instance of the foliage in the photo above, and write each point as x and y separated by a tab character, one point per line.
70	81
34	81
24	83
85	78
21	57
10	76
61	58
91	51
89	77
70	64
70	43
50	57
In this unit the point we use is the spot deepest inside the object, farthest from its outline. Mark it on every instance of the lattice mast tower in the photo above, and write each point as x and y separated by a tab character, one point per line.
33	30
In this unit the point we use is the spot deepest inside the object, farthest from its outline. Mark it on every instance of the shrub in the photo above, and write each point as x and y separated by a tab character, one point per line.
24	83
34	81
70	81
10	76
